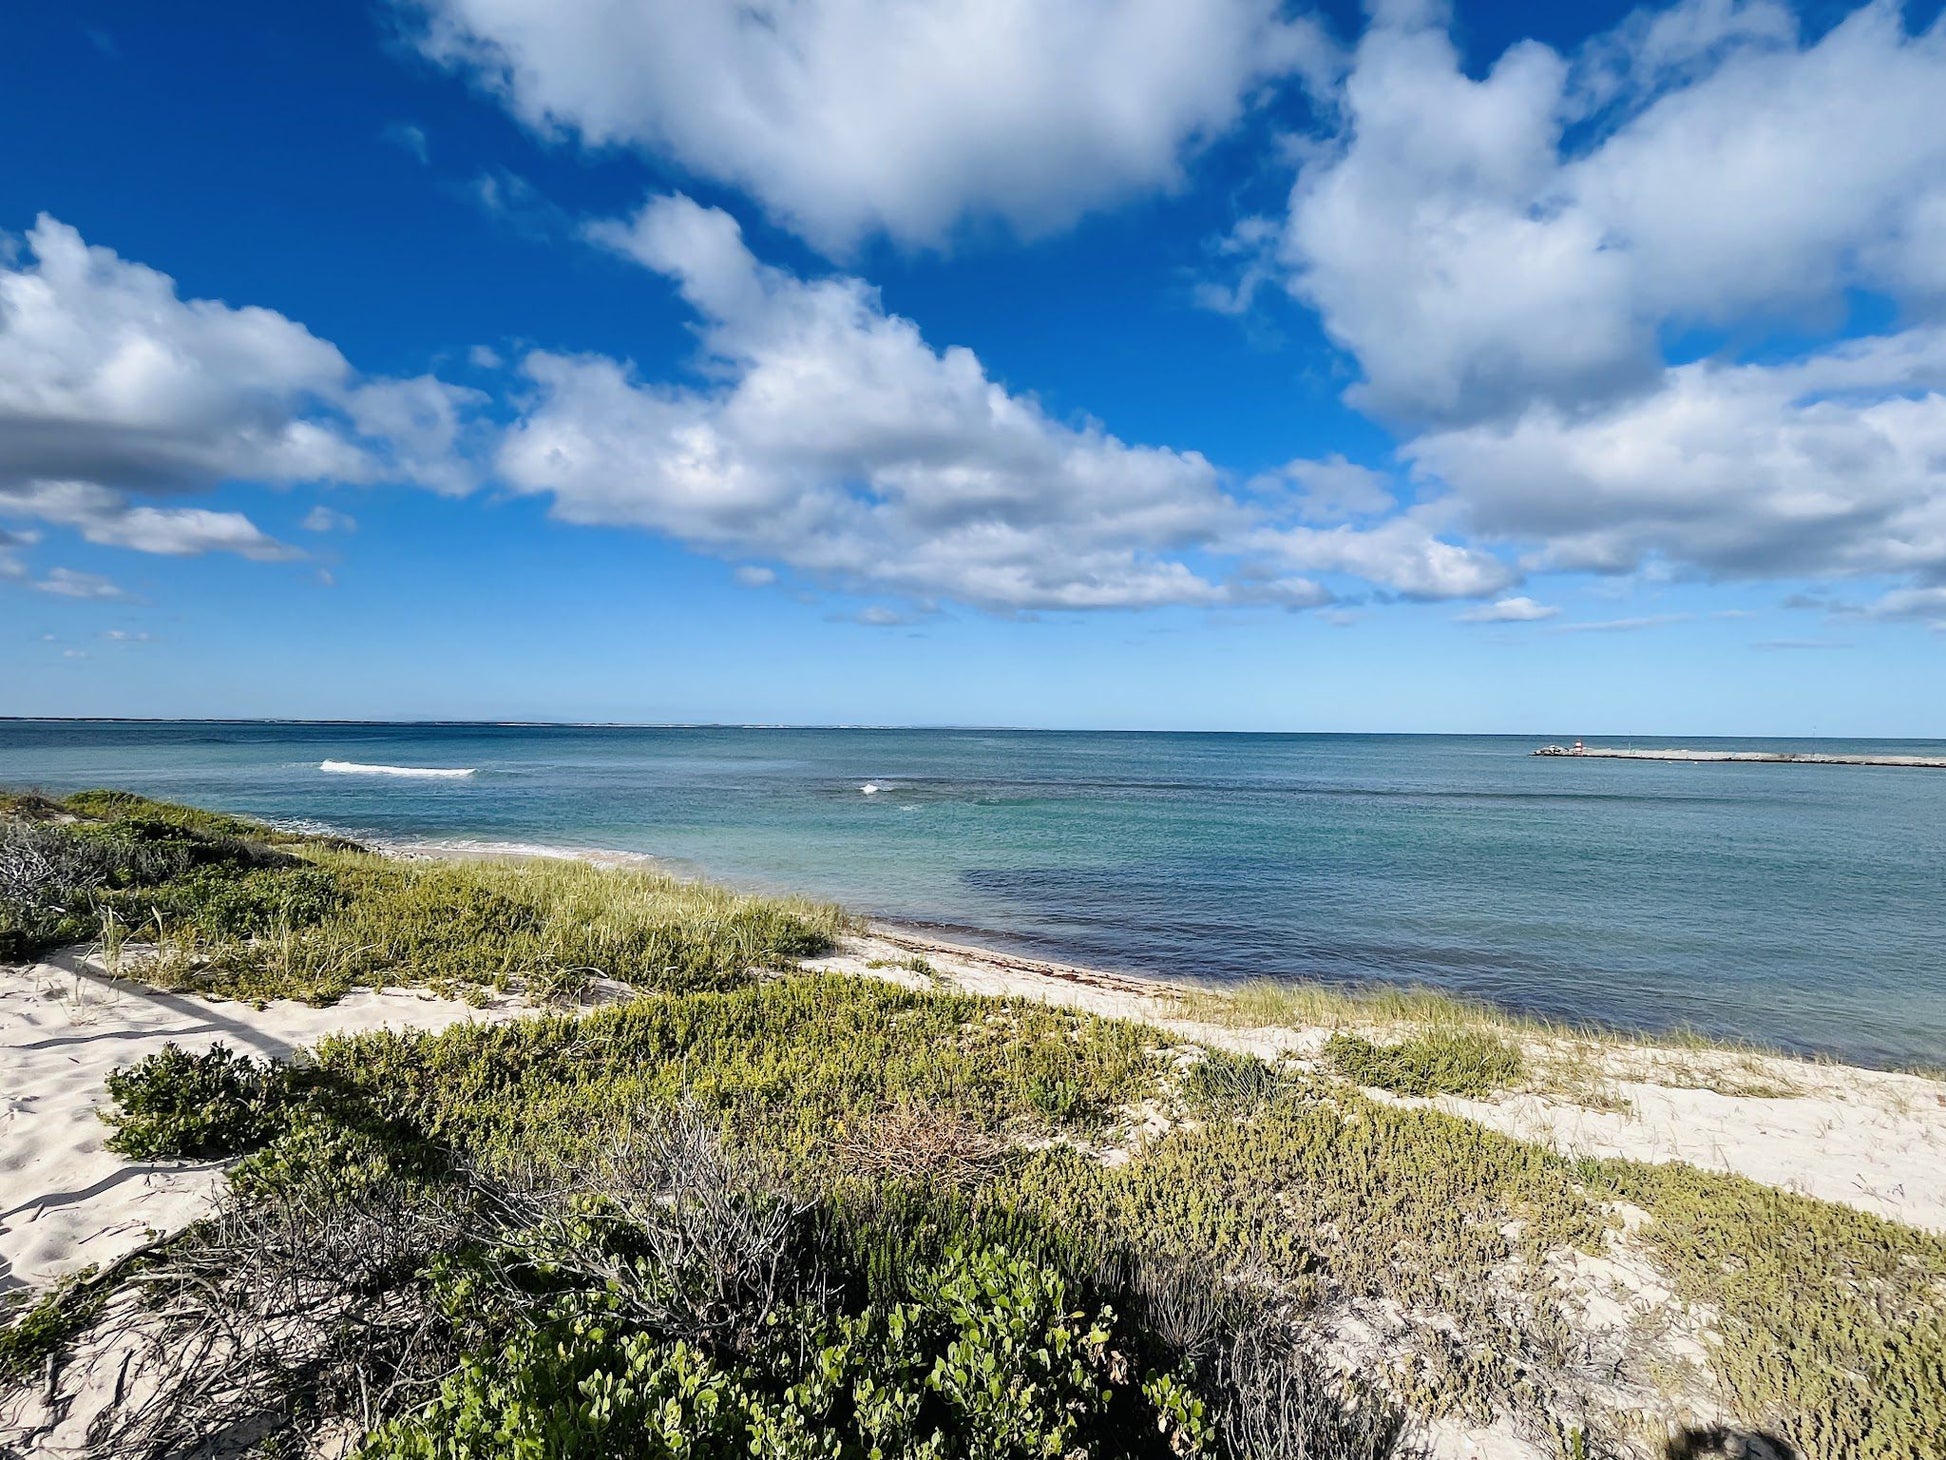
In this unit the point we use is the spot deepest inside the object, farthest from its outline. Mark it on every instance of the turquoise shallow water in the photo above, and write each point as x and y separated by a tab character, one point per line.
1798	905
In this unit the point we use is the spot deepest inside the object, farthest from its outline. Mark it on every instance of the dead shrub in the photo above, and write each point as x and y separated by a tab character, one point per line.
924	1143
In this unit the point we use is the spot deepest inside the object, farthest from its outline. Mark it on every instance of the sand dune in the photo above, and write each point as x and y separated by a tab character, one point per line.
1872	1140
1875	1141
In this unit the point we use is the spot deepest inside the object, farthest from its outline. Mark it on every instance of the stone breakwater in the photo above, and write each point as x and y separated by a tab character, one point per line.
1767	757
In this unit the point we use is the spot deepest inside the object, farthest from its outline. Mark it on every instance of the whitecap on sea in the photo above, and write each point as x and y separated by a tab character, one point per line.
426	772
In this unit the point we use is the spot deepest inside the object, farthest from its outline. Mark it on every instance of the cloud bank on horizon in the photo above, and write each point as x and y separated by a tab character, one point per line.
1673	303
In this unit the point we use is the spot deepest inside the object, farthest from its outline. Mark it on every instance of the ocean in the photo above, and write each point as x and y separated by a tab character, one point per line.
1795	905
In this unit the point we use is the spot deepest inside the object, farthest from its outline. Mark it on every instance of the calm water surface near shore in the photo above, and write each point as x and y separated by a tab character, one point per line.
1793	904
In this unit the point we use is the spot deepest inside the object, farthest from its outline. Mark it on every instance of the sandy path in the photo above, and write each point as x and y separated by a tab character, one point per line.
66	1202
1870	1139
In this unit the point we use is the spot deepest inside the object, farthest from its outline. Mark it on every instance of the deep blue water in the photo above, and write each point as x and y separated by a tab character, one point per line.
1797	905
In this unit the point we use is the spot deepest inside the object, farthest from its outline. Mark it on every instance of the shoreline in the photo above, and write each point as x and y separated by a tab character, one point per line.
1872	1139
1704	903
1000	947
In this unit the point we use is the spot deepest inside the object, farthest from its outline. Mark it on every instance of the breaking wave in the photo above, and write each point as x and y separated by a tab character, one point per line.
425	772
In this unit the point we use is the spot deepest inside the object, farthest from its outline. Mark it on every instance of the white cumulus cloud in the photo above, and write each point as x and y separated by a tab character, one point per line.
1334	489
834	439
1832	466
1924	605
115	391
328	519
1517	610
844	117
11	567
1624	625
1507	252
1404	554
820	434
109	518
1476	252
71	583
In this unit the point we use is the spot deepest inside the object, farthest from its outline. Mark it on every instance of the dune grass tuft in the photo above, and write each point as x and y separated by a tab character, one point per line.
1303	1003
1436	1062
241	910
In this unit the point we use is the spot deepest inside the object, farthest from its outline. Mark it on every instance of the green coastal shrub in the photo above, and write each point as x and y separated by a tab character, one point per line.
222	904
1833	1320
996	1181
571	1388
1438	1062
806	1066
991	1359
65	866
315	1152
168	818
677	1301
34	1328
175	1105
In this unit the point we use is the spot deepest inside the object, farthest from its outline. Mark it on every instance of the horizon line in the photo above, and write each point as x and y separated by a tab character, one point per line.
908	727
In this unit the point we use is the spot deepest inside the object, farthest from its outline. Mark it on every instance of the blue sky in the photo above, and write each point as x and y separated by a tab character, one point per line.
1236	365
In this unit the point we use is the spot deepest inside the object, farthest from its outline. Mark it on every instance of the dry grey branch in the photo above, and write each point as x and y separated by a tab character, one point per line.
283	1312
46	868
691	1237
1279	1403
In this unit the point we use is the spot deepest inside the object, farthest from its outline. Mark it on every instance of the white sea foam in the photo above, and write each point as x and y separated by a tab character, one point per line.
424	772
870	788
442	847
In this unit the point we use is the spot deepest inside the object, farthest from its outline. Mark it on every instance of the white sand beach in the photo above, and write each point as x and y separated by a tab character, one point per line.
65	1201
